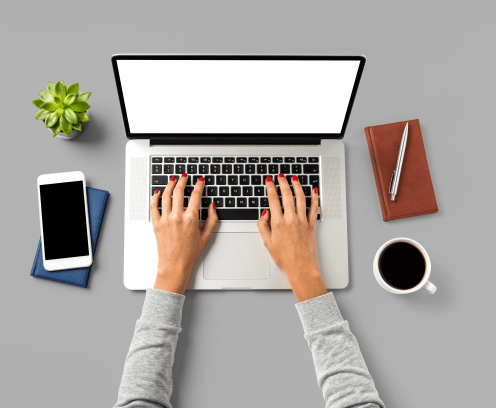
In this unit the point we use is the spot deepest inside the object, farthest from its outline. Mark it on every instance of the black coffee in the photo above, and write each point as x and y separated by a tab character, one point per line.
402	265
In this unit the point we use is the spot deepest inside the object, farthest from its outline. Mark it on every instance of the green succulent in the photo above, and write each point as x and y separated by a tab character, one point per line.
62	108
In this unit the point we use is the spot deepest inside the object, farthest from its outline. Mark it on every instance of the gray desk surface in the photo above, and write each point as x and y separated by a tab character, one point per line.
65	346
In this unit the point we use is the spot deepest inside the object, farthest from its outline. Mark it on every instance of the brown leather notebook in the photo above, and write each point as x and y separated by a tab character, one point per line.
415	194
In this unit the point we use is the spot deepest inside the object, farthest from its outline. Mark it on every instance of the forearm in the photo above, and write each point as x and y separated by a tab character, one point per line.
341	371
147	378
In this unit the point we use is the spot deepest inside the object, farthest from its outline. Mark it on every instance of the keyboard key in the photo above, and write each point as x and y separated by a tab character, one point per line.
169	169
241	201
264	202
160	180
289	160
195	179
277	160
244	180
193	159
181	160
180	168
219	202
185	204
296	168
309	201
229	160
259	191
227	168
223	191
310	168
157	169
154	188
204	169
313	159
289	178
250	169
301	160
303	179
230	202
253	159
253	202
217	160
314	181
192	168
232	180
273	168
205	201
209	180
215	168
256	180
247	191
234	214
265	160
204	159
168	159
220	180
188	191
238	169
241	159
285	168
235	191
156	160
212	191
262	168
307	191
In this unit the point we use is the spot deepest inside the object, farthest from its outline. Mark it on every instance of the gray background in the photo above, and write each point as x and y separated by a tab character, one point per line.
65	346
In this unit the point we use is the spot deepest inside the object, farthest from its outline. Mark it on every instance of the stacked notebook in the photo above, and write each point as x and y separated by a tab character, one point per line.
97	203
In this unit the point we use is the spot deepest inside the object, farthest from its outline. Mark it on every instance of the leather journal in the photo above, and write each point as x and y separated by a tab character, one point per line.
415	194
97	203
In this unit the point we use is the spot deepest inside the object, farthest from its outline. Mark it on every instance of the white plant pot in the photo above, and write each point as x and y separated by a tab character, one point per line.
74	134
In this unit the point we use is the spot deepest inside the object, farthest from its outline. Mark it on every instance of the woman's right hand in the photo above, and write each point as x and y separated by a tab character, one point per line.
290	237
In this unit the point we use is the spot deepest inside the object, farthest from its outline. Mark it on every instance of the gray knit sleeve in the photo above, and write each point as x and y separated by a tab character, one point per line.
147	378
341	371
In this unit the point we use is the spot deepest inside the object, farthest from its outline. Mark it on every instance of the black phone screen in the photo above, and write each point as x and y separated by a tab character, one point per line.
64	220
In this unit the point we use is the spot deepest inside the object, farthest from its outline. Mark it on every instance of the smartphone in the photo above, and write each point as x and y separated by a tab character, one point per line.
64	223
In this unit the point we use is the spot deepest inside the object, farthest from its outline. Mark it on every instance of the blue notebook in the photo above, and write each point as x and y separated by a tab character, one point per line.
97	203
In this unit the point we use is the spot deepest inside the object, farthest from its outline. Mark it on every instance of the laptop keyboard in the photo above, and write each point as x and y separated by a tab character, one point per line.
235	184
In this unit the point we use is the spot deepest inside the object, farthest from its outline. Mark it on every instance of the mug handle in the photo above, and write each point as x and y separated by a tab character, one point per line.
429	287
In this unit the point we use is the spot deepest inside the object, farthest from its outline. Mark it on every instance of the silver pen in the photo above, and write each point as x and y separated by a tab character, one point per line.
395	178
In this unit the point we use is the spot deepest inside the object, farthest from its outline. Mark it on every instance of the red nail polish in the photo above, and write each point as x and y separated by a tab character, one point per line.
213	205
315	190
281	175
264	212
295	178
173	178
184	175
156	191
201	179
268	178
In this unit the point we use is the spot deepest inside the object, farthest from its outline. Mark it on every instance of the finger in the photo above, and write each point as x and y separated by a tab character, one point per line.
314	207
196	196
208	228
301	204
167	196
287	196
274	202
263	225
178	194
154	212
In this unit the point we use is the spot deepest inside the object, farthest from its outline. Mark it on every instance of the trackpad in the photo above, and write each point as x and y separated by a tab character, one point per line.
235	255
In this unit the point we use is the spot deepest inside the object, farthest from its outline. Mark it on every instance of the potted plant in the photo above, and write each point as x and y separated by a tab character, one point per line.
63	109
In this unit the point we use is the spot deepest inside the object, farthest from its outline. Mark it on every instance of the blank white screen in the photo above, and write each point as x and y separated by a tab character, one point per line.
230	96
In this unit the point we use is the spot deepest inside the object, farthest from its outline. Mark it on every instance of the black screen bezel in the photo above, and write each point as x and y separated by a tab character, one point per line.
248	136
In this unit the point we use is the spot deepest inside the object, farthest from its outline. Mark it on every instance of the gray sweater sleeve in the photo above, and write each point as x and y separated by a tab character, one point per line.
147	378
341	371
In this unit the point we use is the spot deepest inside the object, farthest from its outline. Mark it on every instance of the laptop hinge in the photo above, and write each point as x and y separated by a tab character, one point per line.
235	141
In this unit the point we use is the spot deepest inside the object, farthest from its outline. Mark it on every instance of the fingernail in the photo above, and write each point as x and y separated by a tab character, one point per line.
184	175
264	212
213	205
281	175
156	191
201	179
173	178
295	178
315	190
268	178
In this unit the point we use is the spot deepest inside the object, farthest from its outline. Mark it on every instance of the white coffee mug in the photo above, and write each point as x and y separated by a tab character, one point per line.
424	283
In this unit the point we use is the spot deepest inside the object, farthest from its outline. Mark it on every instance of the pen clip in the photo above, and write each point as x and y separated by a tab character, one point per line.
391	182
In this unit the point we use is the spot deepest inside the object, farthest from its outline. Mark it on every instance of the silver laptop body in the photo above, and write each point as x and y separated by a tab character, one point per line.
235	110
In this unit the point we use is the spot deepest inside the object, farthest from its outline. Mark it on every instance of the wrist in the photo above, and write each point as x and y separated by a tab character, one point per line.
307	284
172	279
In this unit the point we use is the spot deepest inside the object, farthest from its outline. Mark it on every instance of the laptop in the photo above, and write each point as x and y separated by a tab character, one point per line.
235	119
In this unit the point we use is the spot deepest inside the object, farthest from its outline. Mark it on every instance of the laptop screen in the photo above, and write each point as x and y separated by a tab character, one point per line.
237	96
